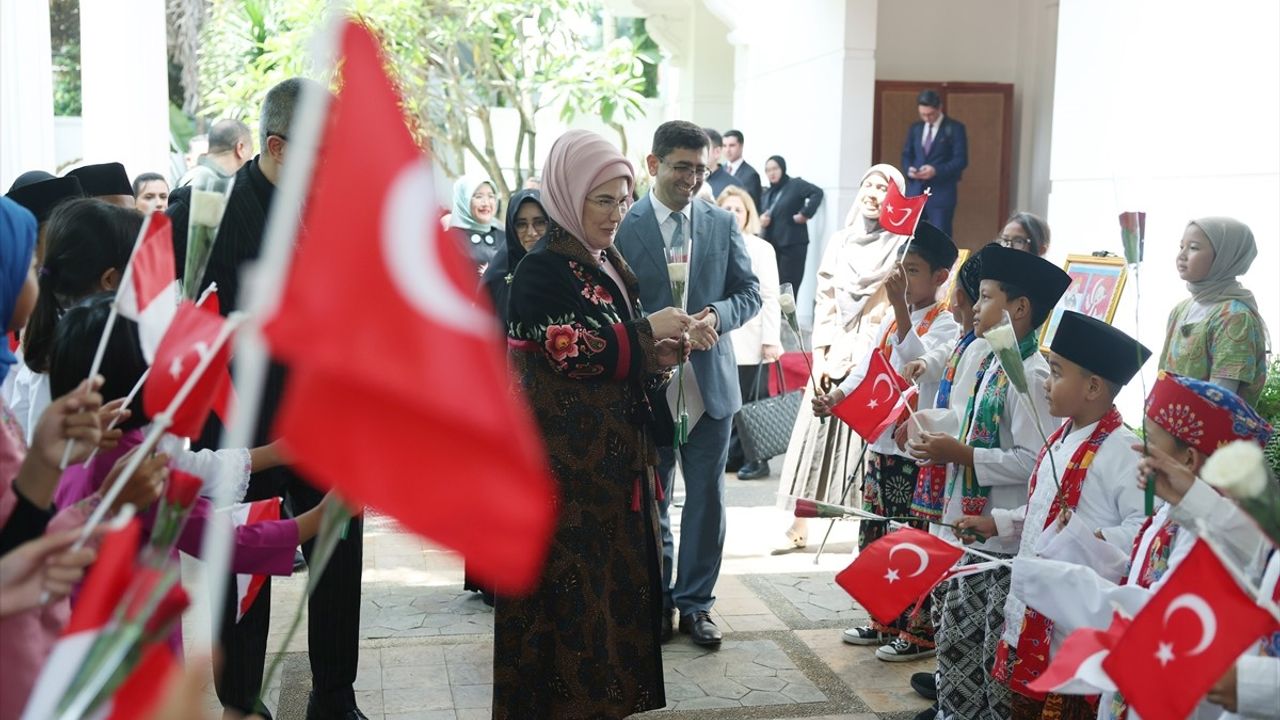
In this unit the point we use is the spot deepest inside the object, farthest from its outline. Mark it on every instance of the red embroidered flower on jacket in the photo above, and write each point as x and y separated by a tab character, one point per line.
597	294
562	342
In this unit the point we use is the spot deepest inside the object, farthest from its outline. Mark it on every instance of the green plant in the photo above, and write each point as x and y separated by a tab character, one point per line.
1268	406
64	35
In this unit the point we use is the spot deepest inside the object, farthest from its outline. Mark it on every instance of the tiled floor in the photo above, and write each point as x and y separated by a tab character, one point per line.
426	645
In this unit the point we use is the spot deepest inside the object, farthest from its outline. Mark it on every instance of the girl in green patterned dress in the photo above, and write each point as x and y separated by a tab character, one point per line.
1217	334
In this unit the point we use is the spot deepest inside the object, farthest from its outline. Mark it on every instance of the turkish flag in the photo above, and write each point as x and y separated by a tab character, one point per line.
193	334
1076	669
897	570
249	585
899	214
1186	636
149	295
399	396
877	402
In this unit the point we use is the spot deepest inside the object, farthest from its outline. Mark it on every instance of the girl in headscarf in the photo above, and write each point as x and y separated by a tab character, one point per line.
526	224
789	204
586	642
850	303
1217	334
475	205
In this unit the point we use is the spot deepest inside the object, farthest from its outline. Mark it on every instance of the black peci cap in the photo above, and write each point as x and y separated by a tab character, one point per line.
1098	347
42	197
103	179
1042	281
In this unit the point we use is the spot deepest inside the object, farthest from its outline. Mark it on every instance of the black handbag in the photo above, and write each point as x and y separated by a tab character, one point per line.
764	425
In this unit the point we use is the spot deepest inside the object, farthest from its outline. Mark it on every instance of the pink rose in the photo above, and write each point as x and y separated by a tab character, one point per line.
562	342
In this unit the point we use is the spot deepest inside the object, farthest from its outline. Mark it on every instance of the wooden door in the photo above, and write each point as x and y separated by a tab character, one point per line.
986	109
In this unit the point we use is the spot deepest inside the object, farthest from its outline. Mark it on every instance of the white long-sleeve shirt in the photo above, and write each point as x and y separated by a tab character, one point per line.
1005	469
1110	502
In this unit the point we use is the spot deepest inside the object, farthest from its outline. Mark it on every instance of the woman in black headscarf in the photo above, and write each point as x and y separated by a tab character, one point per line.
526	224
789	204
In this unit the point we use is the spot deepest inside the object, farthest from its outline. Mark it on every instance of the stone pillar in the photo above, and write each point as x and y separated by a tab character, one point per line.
125	84
26	89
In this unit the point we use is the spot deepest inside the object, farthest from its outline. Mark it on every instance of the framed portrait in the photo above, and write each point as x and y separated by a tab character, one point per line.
1096	284
949	290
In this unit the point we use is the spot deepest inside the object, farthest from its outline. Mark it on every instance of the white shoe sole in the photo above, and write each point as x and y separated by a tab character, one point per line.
854	639
891	656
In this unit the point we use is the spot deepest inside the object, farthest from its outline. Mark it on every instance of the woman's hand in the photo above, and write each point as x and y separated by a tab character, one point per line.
112	414
671	351
71	418
39	567
143	487
940	449
1172	478
822	405
669	322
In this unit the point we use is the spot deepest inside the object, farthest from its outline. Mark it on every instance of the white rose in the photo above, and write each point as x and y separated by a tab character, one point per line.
1001	337
788	303
1238	468
207	207
678	271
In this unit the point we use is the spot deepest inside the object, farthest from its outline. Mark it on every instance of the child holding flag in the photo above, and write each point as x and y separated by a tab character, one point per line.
991	463
1090	361
1187	421
919	324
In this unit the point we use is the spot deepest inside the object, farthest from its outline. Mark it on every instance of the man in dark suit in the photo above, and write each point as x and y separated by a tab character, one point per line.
720	178
934	156
333	617
740	168
721	293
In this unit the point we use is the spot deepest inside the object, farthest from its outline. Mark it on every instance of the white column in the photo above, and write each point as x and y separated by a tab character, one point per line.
26	89
125	84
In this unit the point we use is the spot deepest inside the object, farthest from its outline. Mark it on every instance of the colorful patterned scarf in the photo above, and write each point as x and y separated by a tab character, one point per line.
921	330
982	424
926	501
1032	655
1152	566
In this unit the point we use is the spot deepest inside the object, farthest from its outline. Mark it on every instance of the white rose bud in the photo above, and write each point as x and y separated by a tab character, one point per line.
207	207
678	271
1001	337
788	303
1238	469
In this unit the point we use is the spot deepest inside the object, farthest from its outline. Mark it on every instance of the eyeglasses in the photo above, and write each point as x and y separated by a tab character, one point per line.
688	170
1017	243
539	225
606	204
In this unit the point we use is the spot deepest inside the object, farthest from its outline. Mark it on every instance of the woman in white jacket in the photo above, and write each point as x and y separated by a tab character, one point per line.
758	342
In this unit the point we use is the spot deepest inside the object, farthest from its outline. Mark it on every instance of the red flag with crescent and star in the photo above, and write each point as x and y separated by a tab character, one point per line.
878	401
897	570
192	334
900	214
398	395
1186	636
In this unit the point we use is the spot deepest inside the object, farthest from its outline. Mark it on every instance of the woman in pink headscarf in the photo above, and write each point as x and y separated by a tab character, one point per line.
585	643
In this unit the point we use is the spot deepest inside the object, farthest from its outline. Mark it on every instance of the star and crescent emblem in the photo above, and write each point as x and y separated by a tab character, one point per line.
1208	626
894	574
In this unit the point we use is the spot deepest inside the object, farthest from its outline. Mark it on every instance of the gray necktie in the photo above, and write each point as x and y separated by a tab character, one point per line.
677	235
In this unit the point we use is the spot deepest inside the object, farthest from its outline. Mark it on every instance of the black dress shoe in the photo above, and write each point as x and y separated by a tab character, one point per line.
668	626
700	626
316	710
925	685
754	471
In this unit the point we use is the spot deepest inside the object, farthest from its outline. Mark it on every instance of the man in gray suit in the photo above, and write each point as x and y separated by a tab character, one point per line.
722	294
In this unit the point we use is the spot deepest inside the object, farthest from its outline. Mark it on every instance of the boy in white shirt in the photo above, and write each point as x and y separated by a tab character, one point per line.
918	324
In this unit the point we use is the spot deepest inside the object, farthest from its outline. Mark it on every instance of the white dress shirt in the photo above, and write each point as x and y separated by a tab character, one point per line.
667	225
930	130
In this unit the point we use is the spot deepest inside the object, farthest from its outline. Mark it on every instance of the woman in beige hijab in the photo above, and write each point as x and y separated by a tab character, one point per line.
850	304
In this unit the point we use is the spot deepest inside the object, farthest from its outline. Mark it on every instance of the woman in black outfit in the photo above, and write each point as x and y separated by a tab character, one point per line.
789	204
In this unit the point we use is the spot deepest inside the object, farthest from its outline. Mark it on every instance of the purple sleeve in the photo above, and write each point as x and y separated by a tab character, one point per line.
263	548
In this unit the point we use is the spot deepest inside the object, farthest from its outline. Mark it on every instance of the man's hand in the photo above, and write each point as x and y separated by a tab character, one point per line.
940	449
765	220
41	566
702	333
771	353
926	172
800	218
1172	478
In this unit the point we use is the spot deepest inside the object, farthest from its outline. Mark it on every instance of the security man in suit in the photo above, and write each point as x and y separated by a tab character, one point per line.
934	156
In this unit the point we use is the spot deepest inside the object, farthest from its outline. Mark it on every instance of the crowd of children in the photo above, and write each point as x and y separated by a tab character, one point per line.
1051	477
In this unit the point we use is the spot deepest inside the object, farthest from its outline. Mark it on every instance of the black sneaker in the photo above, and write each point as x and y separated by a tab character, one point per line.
929	714
925	684
902	651
865	635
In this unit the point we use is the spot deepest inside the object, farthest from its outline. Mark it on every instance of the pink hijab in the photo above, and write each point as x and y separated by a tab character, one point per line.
579	160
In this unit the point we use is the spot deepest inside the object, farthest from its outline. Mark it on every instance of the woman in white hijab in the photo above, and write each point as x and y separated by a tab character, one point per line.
850	303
